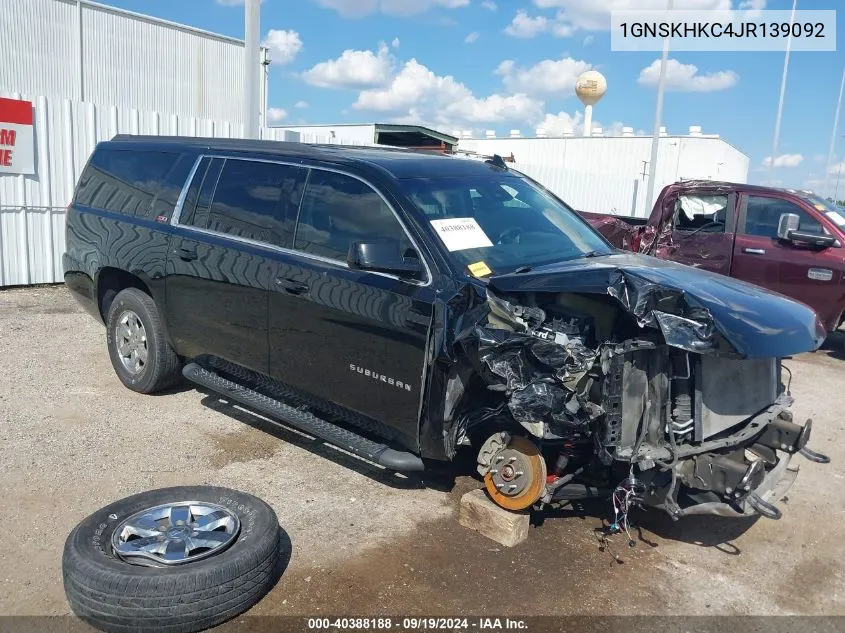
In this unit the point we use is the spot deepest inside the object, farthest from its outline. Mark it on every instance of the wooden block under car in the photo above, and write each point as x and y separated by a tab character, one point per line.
479	513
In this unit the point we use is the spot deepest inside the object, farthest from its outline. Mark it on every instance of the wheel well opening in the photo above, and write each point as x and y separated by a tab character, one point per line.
110	282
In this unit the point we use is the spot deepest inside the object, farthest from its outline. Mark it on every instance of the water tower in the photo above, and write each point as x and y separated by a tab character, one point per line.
590	88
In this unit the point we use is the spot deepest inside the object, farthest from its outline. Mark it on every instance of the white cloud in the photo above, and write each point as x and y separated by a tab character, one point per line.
416	94
685	77
772	183
784	160
301	105
594	15
562	122
472	37
837	169
489	5
395	42
403	8
565	123
353	69
284	45
546	77
525	26
275	115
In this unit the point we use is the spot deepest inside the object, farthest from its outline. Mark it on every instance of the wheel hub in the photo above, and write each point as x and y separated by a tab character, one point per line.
131	338
175	534
517	475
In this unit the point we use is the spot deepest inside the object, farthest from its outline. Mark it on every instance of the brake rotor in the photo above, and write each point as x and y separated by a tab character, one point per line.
517	475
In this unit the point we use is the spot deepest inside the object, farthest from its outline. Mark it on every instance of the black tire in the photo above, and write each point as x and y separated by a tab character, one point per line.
163	367
113	595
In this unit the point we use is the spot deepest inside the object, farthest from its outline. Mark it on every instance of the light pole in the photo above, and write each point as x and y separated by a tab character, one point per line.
658	115
838	175
251	57
833	136
782	88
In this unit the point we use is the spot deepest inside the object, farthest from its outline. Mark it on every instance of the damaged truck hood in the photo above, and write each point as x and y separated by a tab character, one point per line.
694	309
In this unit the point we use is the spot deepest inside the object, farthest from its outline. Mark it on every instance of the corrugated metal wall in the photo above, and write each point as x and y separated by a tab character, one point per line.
606	174
128	60
32	208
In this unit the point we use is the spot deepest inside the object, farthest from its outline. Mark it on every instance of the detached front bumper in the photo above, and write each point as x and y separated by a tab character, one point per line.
747	479
774	486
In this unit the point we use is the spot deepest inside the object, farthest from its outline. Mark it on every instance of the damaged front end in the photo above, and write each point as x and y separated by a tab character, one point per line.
636	380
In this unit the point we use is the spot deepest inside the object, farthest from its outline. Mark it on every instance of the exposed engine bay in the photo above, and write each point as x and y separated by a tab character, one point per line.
599	404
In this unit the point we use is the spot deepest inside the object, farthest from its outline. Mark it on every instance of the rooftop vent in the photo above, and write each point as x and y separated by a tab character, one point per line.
515	134
627	131
663	131
466	134
695	130
490	133
597	131
540	132
567	132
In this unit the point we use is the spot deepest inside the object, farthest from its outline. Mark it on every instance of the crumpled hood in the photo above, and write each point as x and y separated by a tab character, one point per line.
695	310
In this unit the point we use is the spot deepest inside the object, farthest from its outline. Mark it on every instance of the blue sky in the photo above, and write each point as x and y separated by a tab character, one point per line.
503	64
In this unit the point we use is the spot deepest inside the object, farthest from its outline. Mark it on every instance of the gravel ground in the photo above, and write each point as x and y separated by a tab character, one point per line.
363	541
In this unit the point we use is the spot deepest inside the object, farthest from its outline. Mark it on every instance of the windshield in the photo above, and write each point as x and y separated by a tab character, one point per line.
835	213
499	223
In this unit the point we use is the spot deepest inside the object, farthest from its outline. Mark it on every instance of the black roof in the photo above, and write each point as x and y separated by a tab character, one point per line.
399	163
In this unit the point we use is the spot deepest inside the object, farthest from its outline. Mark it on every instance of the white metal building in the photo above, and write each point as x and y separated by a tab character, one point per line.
92	71
397	135
610	174
84	51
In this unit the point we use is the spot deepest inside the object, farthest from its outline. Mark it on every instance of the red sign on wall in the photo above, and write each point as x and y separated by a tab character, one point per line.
17	139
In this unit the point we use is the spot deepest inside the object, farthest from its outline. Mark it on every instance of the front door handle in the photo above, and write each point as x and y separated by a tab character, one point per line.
754	251
291	286
186	254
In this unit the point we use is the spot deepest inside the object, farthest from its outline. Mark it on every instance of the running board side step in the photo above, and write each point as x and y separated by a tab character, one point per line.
304	421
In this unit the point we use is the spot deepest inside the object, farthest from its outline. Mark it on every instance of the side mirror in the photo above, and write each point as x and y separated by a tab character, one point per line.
787	225
383	257
788	231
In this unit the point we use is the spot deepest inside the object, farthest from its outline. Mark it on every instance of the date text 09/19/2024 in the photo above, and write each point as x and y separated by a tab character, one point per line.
418	623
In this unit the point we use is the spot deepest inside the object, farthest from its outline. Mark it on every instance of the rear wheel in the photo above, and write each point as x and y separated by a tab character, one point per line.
517	475
140	353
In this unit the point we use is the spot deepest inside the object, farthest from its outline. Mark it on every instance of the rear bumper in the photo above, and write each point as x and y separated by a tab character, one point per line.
81	286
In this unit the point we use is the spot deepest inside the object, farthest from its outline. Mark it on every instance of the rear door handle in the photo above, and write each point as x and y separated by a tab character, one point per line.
291	286
754	251
187	254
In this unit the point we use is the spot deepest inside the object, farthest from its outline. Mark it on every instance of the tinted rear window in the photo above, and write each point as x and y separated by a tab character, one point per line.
168	194
254	199
124	181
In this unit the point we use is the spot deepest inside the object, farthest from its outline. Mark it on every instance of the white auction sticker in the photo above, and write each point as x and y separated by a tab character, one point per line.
461	233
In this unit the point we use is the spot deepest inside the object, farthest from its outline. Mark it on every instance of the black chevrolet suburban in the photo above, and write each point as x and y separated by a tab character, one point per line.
404	306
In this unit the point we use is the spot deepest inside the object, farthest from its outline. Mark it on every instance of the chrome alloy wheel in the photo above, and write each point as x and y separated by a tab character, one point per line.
175	533
131	340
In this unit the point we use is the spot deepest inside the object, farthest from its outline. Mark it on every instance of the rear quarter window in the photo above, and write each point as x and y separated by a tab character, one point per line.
124	181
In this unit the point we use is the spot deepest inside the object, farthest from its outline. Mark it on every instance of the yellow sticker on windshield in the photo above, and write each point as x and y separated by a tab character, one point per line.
480	269
820	207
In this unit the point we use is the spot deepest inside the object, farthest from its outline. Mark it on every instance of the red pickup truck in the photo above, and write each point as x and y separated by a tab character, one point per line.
788	241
